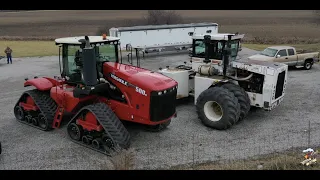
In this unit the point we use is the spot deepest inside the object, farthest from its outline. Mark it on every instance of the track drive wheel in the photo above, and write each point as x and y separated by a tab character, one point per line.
19	113
242	96
158	127
75	131
218	108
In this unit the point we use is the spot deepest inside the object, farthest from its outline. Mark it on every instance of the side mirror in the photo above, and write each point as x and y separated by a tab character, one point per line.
278	56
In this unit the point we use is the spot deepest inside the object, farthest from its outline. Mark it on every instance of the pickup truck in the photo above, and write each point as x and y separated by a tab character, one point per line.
287	55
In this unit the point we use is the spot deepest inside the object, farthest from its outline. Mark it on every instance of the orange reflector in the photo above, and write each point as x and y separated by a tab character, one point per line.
104	36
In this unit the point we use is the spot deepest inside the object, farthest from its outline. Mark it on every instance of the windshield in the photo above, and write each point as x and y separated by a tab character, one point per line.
215	49
72	62
199	47
269	52
106	52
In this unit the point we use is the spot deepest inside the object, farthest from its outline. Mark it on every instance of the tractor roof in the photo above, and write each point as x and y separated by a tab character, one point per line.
219	36
93	40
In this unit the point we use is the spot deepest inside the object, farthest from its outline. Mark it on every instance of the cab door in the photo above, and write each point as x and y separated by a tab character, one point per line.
292	57
282	56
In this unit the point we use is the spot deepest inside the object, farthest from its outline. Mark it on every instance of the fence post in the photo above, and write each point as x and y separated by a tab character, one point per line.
309	133
193	152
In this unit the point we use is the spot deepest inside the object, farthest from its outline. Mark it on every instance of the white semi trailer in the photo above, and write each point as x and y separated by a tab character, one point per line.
155	38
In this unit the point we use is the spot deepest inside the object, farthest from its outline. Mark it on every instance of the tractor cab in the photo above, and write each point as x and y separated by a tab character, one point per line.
216	46
72	49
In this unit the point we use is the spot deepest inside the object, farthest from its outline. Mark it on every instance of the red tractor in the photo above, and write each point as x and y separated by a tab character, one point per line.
96	91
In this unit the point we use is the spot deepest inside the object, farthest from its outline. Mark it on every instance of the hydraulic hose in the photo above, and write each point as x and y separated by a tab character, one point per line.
241	79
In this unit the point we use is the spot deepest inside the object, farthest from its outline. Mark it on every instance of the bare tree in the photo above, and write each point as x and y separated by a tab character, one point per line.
157	17
317	15
153	17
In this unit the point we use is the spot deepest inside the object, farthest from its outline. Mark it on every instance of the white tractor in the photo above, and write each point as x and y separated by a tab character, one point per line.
224	88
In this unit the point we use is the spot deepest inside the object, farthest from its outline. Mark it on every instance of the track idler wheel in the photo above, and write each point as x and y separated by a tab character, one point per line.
96	143
19	113
107	141
34	121
75	131
86	140
29	119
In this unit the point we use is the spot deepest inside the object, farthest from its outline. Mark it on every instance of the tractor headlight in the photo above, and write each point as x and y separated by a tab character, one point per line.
159	93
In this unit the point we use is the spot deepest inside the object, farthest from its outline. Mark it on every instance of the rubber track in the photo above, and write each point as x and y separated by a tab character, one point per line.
110	123
44	102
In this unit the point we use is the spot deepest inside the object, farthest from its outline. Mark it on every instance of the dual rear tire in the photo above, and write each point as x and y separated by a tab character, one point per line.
222	106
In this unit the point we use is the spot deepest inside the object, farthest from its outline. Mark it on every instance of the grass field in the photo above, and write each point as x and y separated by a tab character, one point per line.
48	48
29	48
262	27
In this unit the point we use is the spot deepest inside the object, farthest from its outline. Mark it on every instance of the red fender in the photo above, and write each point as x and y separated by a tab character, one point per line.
42	84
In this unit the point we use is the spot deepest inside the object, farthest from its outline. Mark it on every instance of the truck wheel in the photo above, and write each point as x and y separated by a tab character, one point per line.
218	108
308	65
242	96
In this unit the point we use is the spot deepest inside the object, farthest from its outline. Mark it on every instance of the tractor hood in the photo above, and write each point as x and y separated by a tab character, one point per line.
143	78
260	57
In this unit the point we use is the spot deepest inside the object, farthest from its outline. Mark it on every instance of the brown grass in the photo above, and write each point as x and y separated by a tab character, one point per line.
281	161
260	26
124	160
29	48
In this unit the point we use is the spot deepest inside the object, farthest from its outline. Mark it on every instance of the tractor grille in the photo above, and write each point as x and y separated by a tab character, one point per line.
280	83
162	106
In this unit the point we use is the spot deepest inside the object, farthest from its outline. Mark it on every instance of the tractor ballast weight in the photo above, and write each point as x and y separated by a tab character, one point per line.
95	93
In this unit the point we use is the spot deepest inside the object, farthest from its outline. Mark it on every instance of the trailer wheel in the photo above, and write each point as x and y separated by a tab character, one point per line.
308	64
218	108
242	96
128	47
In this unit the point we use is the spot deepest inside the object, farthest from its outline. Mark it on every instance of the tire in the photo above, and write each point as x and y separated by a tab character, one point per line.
242	96
224	101
308	65
128	47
